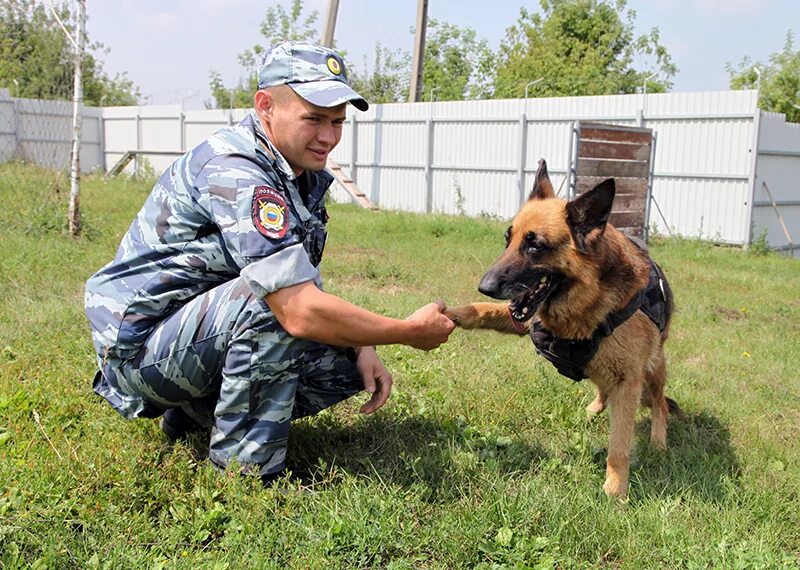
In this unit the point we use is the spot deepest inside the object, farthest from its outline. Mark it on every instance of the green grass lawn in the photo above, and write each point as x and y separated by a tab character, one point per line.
482	458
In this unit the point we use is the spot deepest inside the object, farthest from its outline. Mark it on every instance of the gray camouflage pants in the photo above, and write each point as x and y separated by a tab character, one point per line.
227	362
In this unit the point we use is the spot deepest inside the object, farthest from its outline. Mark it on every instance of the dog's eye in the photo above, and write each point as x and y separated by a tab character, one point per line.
507	236
533	244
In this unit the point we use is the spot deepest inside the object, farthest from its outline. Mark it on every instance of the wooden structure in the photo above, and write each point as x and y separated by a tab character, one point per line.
130	155
347	183
624	153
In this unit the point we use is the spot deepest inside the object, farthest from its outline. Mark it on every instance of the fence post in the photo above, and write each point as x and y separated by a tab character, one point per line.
649	192
752	178
429	166
572	162
353	148
182	126
101	137
523	151
138	142
15	128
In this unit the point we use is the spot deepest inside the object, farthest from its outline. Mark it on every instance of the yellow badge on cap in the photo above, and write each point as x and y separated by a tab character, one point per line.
333	65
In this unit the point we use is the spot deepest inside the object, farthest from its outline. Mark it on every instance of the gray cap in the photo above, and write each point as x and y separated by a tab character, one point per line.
315	73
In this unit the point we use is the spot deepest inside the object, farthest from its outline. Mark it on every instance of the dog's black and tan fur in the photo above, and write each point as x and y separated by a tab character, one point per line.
572	268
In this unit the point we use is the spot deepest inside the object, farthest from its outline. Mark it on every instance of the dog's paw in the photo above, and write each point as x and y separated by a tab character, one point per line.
616	487
595	408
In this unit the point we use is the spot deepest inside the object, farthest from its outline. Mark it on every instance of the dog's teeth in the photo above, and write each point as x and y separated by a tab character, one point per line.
543	280
524	310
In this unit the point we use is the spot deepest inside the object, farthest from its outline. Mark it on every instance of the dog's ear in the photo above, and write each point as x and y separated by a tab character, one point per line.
542	187
589	212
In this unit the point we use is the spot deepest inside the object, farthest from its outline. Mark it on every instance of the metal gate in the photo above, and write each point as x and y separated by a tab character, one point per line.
599	151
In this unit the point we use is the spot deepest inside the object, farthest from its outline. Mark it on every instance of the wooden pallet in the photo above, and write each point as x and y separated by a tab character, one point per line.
622	153
347	183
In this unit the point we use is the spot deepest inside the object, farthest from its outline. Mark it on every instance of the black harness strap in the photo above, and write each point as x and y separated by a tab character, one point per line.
570	357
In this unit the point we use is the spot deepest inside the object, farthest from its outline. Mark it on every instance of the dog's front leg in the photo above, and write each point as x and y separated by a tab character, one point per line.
493	316
623	401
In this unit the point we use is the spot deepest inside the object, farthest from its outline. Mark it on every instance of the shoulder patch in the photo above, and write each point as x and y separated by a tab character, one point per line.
270	216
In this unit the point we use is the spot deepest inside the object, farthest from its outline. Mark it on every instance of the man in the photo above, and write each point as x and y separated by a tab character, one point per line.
212	312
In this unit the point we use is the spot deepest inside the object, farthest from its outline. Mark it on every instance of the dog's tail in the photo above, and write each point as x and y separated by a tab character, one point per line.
675	409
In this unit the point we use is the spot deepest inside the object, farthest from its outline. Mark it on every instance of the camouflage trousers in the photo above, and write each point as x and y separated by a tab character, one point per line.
227	362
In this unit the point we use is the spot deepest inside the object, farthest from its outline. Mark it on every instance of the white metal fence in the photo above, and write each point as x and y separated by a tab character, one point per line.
776	187
40	132
714	153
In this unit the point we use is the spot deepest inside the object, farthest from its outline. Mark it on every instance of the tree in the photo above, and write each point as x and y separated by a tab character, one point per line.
580	47
780	80
36	58
278	25
457	64
388	80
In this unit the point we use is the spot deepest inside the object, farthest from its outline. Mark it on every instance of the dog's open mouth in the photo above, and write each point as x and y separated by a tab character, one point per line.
524	306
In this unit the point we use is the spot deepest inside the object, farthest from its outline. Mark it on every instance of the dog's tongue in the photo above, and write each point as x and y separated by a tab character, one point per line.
520	309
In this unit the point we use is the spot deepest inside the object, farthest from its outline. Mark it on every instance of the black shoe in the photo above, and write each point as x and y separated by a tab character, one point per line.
177	425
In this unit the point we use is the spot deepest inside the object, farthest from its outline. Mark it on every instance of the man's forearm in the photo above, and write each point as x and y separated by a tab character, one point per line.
307	312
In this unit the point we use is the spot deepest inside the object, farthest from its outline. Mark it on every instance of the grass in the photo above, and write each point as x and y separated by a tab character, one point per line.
481	459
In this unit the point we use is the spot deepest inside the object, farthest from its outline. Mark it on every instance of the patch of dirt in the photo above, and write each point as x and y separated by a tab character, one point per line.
698	361
730	314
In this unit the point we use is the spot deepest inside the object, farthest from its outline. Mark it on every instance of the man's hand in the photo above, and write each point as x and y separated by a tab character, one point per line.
434	326
377	380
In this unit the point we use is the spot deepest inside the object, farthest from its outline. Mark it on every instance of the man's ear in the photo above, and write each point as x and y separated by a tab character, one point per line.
542	187
589	212
264	103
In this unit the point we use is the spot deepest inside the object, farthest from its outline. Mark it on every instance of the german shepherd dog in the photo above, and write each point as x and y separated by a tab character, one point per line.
582	290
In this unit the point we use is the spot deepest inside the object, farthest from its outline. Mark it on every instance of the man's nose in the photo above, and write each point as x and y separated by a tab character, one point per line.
327	134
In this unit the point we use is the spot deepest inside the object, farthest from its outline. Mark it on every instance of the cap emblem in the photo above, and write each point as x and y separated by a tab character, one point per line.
333	65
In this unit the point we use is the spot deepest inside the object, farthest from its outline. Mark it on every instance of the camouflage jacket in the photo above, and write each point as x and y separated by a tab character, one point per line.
229	207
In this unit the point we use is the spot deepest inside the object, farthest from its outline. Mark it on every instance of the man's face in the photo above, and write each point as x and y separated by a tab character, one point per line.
303	133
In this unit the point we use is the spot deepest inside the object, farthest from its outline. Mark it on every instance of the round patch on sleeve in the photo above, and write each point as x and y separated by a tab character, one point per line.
270	215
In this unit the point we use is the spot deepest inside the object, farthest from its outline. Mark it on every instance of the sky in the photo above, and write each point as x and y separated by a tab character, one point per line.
169	47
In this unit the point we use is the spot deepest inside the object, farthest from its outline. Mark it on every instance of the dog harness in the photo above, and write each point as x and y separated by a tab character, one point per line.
570	357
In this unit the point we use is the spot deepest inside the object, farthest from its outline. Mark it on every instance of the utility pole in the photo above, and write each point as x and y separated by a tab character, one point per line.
74	212
330	23
415	87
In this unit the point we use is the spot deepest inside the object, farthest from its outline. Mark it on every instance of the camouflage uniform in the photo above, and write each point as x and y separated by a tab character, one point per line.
179	317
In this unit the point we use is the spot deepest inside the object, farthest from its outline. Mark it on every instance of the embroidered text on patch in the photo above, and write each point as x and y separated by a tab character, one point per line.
269	212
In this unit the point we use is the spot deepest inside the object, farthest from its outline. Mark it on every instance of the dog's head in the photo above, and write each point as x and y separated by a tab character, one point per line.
549	245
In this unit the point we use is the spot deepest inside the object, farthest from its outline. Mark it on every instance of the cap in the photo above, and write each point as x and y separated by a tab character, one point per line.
315	73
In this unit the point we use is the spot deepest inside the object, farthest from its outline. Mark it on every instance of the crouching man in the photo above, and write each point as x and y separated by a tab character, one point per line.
212	314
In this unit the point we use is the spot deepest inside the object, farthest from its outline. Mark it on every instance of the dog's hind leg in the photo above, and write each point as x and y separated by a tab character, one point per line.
655	381
623	401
